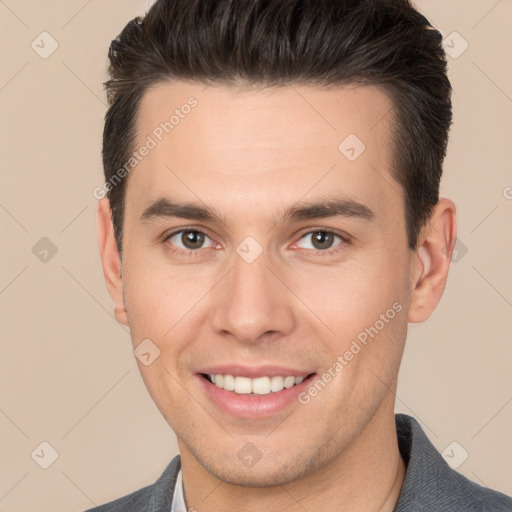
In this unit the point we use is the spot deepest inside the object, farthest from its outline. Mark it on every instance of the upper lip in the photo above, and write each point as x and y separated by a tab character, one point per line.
253	372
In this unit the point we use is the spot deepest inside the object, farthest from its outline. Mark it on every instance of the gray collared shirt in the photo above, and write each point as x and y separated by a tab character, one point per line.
430	485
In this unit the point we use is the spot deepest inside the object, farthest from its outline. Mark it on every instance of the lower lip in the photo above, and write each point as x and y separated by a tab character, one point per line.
253	406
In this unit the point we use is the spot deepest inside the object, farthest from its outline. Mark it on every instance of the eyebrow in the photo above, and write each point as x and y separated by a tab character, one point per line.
330	207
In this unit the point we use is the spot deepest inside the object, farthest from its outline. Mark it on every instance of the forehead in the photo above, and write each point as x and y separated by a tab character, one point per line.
263	142
235	116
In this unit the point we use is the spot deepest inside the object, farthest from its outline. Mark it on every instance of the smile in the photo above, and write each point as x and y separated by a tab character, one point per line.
258	386
253	392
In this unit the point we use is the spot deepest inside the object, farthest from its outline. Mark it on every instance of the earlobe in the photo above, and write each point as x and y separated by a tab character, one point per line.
432	260
111	260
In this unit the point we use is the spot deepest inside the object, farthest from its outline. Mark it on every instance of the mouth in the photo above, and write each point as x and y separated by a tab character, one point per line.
258	386
257	397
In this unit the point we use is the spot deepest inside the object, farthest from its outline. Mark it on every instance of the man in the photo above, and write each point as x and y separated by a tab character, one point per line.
272	224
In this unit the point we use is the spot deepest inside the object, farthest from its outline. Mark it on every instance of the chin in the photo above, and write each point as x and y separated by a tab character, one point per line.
269	471
265	476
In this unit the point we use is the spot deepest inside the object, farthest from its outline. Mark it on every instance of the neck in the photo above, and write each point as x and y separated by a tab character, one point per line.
365	477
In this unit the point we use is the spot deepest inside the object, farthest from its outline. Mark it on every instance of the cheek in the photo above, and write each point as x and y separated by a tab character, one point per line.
353	296
159	298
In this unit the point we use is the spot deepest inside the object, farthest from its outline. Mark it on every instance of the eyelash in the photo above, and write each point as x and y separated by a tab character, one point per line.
327	252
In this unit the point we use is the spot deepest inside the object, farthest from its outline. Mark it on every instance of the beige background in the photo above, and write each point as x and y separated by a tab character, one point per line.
68	376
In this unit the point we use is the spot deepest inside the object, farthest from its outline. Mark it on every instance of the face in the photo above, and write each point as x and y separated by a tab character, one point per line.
250	280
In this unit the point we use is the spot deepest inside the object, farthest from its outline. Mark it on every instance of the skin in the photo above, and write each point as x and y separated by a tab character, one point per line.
250	154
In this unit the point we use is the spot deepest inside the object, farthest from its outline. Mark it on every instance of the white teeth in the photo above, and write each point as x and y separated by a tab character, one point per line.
276	384
243	385
258	386
229	382
261	386
289	381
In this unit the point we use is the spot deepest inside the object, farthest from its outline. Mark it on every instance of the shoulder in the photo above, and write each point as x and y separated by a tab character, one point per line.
431	485
138	500
474	497
156	497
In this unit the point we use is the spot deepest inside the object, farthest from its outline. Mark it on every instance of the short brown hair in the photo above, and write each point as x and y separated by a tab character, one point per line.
386	43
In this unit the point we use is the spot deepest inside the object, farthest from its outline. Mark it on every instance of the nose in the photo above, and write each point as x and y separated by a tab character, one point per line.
253	303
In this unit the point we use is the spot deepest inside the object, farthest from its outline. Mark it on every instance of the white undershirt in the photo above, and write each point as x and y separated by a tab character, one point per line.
178	502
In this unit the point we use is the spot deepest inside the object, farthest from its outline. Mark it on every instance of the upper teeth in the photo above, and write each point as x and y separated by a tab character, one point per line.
259	386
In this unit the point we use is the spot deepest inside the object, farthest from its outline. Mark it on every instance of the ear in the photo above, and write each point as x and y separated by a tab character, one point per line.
432	260
110	259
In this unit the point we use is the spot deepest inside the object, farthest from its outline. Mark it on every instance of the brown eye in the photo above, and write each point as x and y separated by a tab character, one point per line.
192	239
188	240
320	240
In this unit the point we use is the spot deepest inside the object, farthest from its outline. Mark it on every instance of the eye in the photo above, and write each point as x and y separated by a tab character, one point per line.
188	240
321	240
